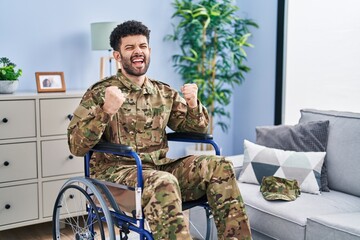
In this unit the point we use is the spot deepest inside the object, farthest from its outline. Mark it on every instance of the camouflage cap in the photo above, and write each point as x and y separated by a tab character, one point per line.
276	188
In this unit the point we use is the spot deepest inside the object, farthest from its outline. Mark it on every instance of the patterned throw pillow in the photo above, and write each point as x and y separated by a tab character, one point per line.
303	137
260	161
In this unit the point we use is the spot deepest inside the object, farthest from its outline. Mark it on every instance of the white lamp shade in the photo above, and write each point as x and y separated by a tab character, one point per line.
100	33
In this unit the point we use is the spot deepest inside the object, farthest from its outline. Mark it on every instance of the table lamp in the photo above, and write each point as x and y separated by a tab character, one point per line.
100	33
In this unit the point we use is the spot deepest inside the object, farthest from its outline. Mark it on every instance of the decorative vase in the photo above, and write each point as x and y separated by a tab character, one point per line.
8	86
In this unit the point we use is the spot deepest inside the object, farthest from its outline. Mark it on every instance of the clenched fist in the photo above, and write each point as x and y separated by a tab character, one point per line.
114	99
190	91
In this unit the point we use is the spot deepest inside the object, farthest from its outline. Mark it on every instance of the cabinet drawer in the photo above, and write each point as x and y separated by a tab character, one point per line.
57	159
18	161
50	192
17	119
18	204
54	115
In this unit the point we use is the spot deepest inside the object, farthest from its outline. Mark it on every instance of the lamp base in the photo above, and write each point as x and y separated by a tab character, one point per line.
103	61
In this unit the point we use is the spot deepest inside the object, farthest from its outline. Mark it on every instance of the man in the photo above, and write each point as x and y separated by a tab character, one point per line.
132	109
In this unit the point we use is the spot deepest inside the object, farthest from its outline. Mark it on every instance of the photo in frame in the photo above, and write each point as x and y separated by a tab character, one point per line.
50	82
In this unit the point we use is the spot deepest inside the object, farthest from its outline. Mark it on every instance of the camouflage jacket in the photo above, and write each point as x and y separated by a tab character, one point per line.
140	122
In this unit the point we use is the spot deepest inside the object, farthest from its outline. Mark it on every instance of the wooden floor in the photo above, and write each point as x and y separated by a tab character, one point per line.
34	232
41	231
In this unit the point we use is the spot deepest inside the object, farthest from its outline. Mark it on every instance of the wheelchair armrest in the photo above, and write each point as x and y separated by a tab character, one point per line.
116	148
188	135
113	148
193	137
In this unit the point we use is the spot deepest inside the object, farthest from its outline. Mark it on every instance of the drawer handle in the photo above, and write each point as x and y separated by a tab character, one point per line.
70	116
70	157
5	120
71	196
6	163
7	206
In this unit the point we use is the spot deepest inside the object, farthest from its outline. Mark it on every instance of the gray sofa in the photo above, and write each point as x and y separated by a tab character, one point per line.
330	215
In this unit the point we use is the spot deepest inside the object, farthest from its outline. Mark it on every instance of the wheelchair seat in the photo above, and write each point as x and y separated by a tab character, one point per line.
89	208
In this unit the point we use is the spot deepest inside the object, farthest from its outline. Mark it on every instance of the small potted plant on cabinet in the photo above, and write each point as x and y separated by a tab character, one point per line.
211	38
9	76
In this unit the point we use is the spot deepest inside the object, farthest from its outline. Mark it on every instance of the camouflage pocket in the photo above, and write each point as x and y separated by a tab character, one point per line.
81	112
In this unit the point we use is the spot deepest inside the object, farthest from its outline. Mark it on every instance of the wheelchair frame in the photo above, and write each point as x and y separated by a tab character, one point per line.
98	197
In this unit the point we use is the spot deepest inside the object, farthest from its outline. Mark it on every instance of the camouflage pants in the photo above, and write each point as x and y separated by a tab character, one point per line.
189	178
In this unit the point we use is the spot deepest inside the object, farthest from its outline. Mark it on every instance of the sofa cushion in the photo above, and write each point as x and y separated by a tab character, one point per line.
343	151
261	161
344	226
303	137
287	220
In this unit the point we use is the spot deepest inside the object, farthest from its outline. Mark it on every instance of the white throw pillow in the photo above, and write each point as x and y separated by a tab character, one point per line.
260	161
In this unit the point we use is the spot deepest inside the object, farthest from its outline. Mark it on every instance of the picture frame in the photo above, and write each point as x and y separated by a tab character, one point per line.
50	82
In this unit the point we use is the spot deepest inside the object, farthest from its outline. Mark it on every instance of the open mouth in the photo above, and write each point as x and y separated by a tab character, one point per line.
138	62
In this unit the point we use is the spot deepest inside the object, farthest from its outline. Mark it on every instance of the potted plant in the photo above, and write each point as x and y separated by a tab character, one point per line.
8	76
211	37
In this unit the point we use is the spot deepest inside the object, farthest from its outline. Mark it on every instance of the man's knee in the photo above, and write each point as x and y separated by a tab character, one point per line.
163	183
221	163
165	178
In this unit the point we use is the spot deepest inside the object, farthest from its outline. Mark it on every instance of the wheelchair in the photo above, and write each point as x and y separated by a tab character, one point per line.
85	208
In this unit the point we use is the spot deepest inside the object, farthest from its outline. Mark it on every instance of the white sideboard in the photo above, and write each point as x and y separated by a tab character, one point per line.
34	157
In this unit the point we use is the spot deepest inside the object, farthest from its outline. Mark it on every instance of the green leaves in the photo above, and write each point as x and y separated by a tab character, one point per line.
212	40
7	70
5	61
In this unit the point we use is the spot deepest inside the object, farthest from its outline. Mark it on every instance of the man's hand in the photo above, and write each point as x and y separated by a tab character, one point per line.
190	91
114	99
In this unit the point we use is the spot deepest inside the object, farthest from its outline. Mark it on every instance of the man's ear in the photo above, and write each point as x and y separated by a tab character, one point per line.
116	55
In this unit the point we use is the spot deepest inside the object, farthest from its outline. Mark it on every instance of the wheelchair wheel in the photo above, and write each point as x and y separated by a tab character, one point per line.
80	213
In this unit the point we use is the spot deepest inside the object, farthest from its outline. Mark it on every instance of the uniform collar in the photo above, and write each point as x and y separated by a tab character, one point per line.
147	88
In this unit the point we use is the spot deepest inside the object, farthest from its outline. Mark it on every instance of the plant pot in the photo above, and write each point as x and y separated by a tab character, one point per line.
191	150
8	86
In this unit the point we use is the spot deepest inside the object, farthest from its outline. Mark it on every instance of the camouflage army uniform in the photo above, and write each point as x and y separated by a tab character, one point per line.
140	123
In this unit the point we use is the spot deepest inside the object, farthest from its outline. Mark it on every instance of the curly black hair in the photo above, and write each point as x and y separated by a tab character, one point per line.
128	28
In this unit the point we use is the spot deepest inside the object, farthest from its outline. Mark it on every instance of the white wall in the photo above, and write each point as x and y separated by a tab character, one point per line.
322	56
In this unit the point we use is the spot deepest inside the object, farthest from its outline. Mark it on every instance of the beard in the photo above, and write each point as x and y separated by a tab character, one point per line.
130	69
